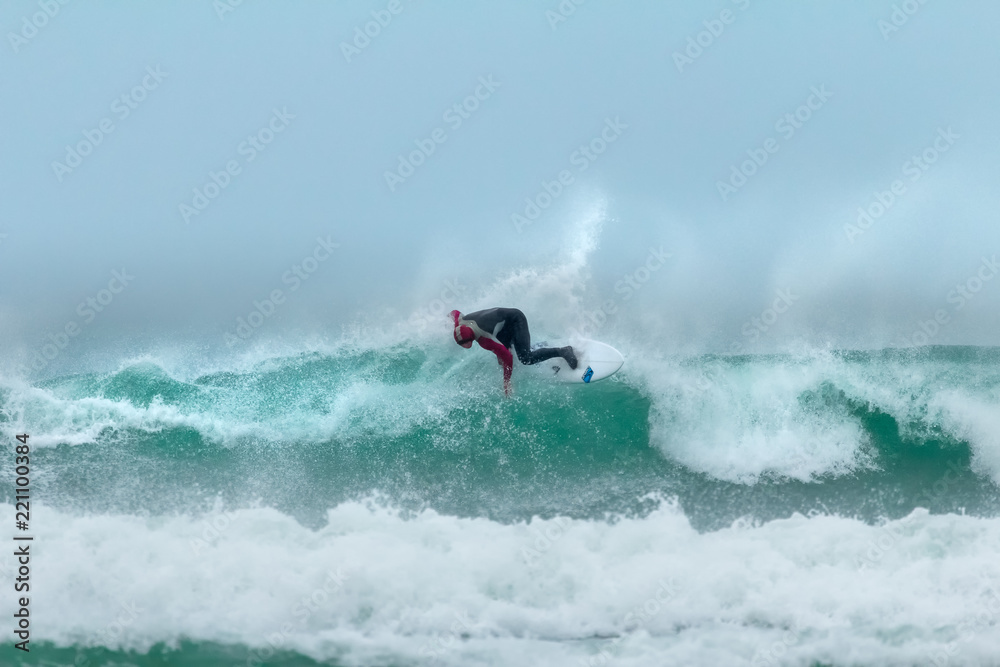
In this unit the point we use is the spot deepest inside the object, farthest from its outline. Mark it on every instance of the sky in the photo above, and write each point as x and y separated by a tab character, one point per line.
724	176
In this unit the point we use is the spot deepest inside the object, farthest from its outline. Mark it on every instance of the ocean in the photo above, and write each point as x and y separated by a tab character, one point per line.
383	504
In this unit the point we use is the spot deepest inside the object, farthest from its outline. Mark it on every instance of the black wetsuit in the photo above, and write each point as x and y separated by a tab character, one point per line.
509	327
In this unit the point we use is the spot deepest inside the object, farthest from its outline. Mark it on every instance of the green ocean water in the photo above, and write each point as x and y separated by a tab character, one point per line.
870	436
277	434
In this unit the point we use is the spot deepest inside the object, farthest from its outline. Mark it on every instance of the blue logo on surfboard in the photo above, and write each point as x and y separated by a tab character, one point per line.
589	374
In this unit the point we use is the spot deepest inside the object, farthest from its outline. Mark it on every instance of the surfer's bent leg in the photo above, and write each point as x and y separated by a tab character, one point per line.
517	334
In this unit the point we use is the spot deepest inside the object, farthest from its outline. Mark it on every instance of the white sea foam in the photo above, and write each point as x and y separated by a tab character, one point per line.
737	422
373	586
798	415
975	419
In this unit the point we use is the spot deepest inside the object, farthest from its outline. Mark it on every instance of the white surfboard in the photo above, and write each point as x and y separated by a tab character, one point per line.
595	361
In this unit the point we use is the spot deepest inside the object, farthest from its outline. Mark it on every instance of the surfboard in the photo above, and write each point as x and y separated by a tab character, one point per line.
595	361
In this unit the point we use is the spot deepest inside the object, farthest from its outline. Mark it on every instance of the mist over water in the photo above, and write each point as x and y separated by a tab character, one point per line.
230	236
682	134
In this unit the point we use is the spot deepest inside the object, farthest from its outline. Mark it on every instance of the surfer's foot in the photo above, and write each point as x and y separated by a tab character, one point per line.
570	356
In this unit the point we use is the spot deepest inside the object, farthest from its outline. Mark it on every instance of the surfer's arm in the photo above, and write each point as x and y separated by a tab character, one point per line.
504	358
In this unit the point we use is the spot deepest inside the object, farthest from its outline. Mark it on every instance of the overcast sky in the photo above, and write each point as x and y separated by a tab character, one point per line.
208	150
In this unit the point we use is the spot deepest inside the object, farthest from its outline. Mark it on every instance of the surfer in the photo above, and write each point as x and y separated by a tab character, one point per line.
496	329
